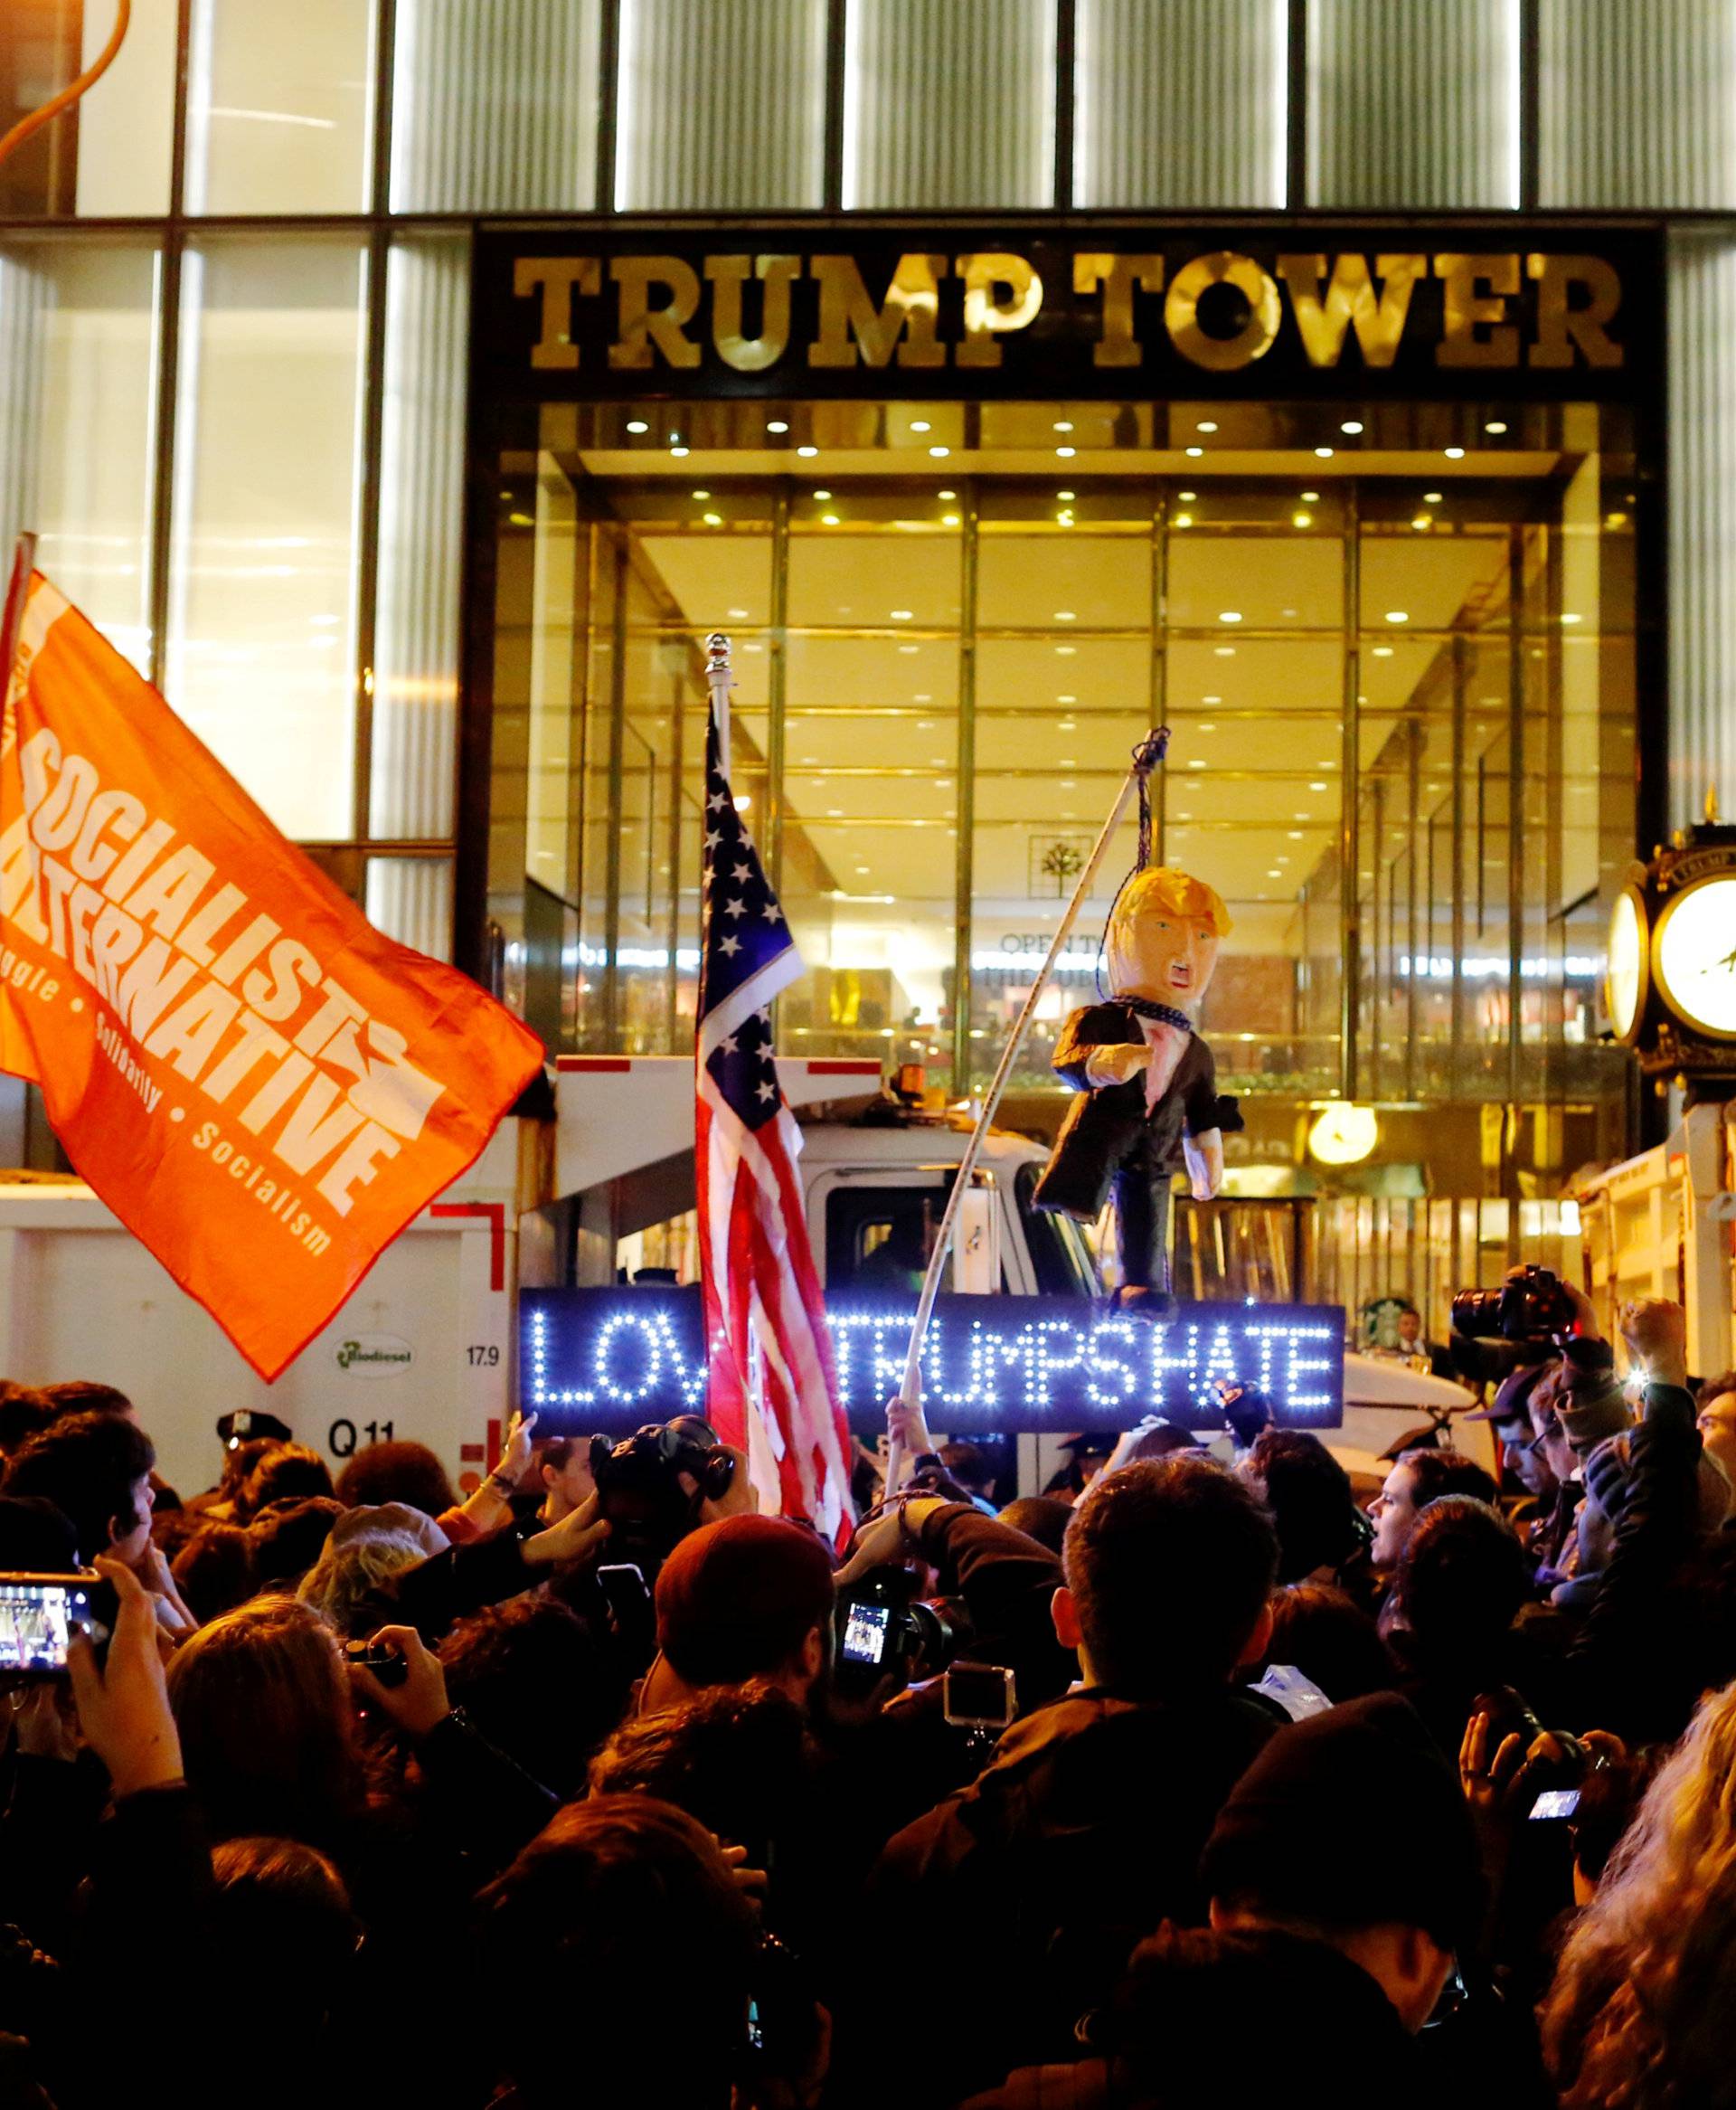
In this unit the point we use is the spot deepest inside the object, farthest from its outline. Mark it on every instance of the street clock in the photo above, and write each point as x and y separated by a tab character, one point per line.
1693	955
1628	973
1670	980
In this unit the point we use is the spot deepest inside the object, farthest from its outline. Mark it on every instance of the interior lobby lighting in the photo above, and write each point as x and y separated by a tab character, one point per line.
1315	786
1382	651
807	452
1352	426
1310	497
829	519
1063	424
680	452
1187	497
1066	453
1224	651
946	493
1496	426
702	493
1398	615
637	425
1325	453
1196	451
1183	520
1229	615
1064	494
949	520
939	453
713	520
1421	521
1573	619
737	615
1455	454
1432	497
1301	519
776	425
902	615
743	800
821	497
1065	615
1206	425
921	425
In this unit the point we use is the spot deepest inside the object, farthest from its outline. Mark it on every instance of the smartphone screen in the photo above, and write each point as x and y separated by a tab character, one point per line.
978	1695
865	1629
36	1621
1556	1803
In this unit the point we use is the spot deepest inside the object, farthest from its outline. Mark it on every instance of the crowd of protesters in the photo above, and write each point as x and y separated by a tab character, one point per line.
579	1792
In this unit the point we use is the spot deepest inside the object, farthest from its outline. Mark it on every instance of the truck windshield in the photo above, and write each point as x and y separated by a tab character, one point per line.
1058	1253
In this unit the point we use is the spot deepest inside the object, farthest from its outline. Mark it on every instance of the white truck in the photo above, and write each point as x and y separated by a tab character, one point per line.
426	1346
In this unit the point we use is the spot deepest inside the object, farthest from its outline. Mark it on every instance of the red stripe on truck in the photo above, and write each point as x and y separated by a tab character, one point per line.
611	1062
842	1066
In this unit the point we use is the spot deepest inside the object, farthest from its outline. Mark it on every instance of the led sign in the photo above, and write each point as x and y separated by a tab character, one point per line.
609	1359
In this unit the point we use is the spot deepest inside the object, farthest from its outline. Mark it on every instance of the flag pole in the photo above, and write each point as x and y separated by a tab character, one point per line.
12	622
720	681
1145	758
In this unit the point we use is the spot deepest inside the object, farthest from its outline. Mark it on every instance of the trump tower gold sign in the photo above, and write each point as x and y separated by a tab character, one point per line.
1441	312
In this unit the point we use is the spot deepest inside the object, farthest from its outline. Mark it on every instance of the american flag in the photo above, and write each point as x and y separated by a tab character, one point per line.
764	1311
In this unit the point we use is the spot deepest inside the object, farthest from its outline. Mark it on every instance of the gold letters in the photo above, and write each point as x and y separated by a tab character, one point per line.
850	323
1559	327
641	325
728	274
560	277
1474	330
1117	276
1180	311
1350	304
986	275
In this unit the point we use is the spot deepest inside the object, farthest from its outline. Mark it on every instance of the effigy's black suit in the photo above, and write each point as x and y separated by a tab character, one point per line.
1110	1142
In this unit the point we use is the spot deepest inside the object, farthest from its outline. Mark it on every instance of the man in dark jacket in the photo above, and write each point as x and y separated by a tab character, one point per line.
1085	1830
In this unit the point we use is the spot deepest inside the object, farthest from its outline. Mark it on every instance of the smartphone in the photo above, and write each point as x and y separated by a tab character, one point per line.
867	1631
623	1584
1556	1803
979	1696
39	1615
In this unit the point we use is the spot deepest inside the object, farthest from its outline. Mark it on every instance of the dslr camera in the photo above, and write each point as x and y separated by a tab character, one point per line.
639	1490
882	1626
1530	1311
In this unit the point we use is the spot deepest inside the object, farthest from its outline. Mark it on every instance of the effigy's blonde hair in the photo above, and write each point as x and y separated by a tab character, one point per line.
1159	889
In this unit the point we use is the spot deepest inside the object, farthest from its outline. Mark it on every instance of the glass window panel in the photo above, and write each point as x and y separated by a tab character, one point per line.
108	157
494	108
864	577
1096	582
743	134
1232	582
261	647
279	101
77	400
1081	680
421	537
410	900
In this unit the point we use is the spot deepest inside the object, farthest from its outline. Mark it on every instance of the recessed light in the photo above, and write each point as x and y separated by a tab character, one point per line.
775	425
1065	651
1301	519
822	495
921	425
902	615
1274	872
702	493
923	697
807	452
1224	651
1229	615
1065	496
1066	453
1187	497
1183	520
1065	615
1184	816
637	425
1573	619
939	453
713	520
1063	424
1312	788
1421	521
681	453
1193	762
743	800
1195	450
1208	726
1067	699
1397	615
1206	425
1495	425
1455	454
1211	699
737	615
948	520
1352	425
946	493
829	519
1294	834
1325	453
1310	497
1432	497
1382	651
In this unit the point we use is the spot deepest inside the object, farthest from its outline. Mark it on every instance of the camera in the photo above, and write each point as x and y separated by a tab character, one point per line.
639	1490
884	1626
1531	1309
39	1615
387	1665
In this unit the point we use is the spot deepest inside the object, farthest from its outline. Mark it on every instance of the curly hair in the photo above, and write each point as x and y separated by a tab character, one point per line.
1638	2016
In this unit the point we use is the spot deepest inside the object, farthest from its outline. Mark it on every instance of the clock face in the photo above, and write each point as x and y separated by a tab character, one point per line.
1624	981
1344	1134
1693	955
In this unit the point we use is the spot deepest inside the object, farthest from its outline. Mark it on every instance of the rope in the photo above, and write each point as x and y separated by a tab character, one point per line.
70	94
1146	757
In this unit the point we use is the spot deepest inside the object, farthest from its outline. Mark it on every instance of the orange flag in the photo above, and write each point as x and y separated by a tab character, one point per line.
260	1086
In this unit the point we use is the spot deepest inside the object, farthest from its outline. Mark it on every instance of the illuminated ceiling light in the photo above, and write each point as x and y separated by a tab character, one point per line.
1294	834
637	425
702	493
1573	619
821	497
1193	762
1066	453
1421	521
743	800
1310	497
1067	699
949	520
775	425
1495	425
1064	518
1274	872
1312	788
939	453
1325	453
1183	520
1211	699
1065	496
1065	615
681	453
1224	651
1301	519
902	615
1208	726
807	452
946	493
1398	615
921	425
1229	615
1382	651
1195	450
1352	425
1065	651
909	651
1063	424
1184	816
1344	1134
737	615
1432	497
829	519
1455	454
713	520
1206	425
1187	497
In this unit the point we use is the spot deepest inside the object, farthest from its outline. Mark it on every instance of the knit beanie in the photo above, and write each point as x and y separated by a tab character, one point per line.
736	1599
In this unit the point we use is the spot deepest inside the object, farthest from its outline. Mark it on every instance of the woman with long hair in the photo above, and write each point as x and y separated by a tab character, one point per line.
1640	2014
